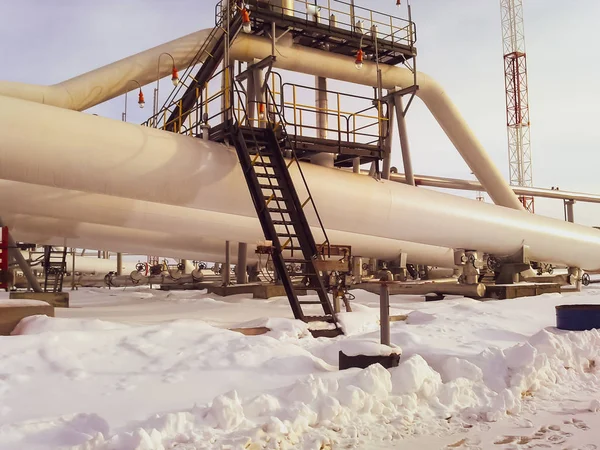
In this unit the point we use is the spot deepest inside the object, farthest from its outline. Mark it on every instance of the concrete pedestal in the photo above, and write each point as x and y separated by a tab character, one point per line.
257	290
10	316
510	291
56	299
364	361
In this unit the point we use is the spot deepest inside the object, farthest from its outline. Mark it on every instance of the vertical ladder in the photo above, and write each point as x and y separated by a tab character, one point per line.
4	258
281	215
55	268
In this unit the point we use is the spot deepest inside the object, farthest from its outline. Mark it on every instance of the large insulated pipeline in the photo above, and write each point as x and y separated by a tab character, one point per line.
110	81
98	155
107	82
50	231
174	227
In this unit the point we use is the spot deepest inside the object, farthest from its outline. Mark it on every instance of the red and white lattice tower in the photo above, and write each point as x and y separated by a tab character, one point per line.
517	97
4	258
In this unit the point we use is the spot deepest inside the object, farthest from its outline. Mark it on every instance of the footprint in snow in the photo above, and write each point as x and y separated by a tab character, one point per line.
546	437
466	444
580	424
173	377
577	423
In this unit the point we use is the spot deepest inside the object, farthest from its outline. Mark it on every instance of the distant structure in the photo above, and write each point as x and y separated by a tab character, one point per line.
517	97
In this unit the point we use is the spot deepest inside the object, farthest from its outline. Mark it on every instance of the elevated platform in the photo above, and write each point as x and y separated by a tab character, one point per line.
395	37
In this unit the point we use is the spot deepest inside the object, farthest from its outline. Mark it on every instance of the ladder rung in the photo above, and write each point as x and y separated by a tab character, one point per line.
278	210
296	249
283	222
271	198
262	164
269	186
266	175
286	235
307	302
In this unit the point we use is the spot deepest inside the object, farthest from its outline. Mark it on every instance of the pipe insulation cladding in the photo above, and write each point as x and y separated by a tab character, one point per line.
80	152
97	86
49	231
189	230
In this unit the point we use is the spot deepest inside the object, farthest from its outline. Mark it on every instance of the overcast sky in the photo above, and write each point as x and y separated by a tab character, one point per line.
459	44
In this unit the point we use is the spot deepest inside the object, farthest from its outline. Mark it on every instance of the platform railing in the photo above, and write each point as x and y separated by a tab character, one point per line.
367	126
356	19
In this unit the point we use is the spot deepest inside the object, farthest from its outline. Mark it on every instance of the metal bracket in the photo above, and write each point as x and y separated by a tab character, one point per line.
281	35
412	90
267	62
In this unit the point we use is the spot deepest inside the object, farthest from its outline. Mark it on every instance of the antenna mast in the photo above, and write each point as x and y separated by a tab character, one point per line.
517	97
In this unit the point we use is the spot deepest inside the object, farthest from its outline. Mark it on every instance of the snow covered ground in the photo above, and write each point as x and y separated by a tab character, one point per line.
140	369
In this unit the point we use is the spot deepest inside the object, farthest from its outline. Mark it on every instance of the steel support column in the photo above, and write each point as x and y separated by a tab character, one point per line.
119	263
226	267
404	145
384	311
73	283
242	263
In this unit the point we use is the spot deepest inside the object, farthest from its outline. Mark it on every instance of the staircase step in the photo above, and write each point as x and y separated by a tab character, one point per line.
283	222
286	235
328	319
263	164
274	199
273	187
335	332
278	210
268	175
289	249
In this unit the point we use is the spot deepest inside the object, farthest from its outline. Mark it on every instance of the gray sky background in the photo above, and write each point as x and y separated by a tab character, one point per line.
459	44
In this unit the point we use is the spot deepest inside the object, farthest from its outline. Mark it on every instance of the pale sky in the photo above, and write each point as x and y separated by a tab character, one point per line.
459	44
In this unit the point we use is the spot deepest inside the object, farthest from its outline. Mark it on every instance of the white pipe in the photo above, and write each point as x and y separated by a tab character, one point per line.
471	185
87	264
70	206
320	63
48	231
110	81
107	82
93	154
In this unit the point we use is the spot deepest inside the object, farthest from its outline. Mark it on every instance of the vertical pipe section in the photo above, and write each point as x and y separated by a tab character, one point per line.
242	263
259	81
322	104
251	99
388	127
404	145
569	207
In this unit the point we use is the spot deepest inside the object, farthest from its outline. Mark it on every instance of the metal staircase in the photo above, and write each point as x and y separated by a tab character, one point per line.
55	268
281	214
214	50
